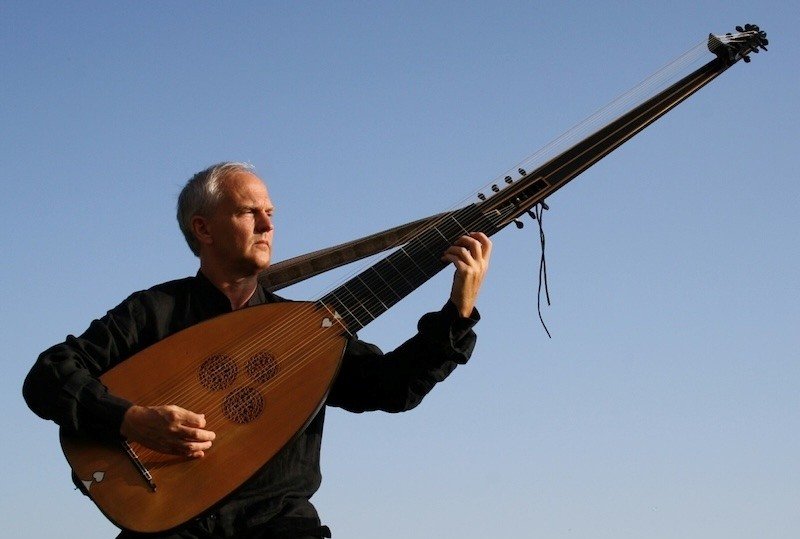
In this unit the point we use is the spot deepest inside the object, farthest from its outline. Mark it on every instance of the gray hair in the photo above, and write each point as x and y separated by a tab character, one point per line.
201	194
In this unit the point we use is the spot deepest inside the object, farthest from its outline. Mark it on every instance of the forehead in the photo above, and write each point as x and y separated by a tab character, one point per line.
244	189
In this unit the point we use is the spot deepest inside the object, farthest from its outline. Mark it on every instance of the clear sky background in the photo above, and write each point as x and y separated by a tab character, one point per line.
666	403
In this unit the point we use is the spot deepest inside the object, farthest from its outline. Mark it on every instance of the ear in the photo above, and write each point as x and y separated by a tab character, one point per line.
201	230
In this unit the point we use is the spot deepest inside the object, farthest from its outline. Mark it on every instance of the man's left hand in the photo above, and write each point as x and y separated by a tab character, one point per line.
470	255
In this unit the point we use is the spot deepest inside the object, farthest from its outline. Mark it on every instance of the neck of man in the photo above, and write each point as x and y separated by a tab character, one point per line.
238	288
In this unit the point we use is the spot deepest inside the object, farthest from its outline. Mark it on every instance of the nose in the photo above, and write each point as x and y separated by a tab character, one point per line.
264	222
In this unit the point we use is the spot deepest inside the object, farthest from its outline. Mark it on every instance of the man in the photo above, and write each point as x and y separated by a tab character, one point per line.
226	215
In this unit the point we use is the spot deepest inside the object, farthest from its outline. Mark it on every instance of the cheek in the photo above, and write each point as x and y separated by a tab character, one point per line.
244	230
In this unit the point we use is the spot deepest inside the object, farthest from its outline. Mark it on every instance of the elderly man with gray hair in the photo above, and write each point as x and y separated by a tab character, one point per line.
227	218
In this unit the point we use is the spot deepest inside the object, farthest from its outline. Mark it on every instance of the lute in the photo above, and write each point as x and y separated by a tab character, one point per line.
729	49
261	374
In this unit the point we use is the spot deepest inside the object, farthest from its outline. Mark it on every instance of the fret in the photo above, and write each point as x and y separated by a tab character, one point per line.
408	258
362	295
384	286
375	295
401	285
343	308
368	304
463	230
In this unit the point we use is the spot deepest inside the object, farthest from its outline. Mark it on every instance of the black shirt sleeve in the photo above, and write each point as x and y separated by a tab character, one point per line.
63	384
398	380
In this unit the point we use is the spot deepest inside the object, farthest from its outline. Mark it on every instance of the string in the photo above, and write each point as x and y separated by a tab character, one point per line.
358	318
246	346
249	346
616	108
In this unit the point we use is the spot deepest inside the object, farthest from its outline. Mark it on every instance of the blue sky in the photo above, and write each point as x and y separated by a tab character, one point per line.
666	403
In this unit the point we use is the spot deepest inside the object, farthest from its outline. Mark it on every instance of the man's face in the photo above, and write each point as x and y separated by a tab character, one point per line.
240	228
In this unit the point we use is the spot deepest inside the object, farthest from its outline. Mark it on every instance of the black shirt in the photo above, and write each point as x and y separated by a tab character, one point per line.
63	385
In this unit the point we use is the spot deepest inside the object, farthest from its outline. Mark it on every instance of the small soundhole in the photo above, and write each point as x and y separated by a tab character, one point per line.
261	367
217	372
243	405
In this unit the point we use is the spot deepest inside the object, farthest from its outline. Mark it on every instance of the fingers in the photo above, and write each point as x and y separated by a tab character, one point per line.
468	250
189	436
192	450
190	418
485	244
191	441
168	429
470	255
478	243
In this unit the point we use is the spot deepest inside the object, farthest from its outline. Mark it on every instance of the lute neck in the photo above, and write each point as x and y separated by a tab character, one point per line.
372	292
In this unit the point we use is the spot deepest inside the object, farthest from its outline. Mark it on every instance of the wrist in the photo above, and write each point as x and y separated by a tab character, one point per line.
129	418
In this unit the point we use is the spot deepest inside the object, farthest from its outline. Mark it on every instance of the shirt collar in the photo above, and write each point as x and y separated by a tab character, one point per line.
218	301
211	295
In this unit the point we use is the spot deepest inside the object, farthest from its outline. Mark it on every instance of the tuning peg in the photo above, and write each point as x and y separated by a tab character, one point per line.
544	207
739	29
495	188
522	171
508	180
481	196
519	223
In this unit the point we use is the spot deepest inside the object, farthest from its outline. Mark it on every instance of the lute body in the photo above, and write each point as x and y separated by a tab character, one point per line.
255	398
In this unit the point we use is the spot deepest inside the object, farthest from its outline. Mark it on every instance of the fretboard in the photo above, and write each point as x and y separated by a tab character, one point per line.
372	292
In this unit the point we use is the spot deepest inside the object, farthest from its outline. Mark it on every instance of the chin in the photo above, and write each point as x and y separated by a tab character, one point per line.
253	266
261	263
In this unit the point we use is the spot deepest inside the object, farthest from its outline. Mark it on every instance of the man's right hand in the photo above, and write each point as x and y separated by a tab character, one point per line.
167	429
